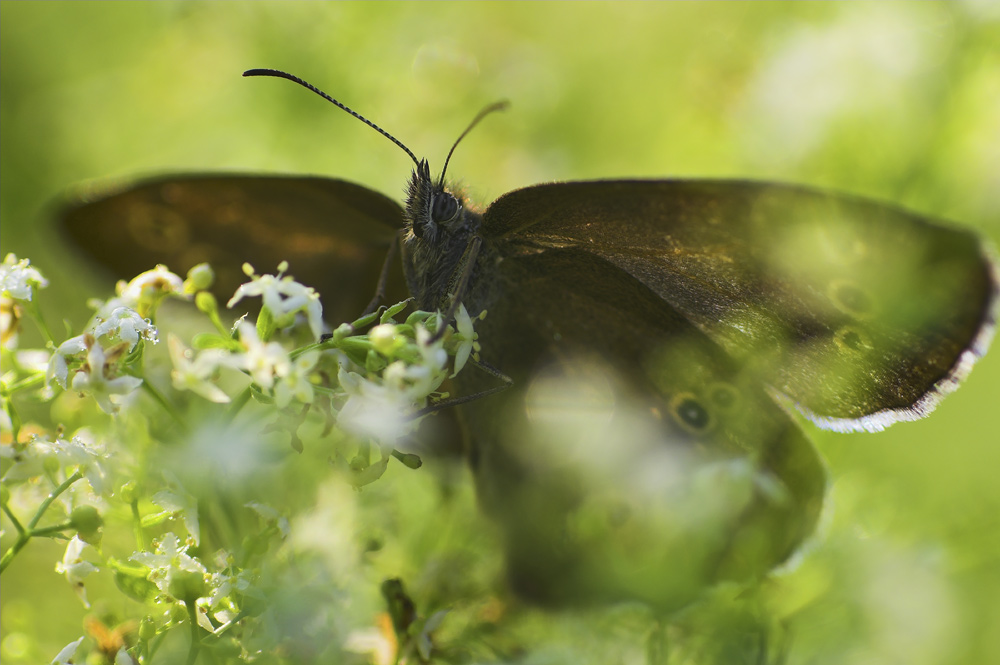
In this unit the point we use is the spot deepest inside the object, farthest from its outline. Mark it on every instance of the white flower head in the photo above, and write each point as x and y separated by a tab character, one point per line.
75	567
97	379
284	297
18	279
170	559
194	373
263	361
373	409
65	656
149	285
59	363
33	458
295	383
126	323
466	338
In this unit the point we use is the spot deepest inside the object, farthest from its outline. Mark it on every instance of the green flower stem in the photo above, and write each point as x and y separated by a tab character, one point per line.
162	401
195	640
26	534
13	519
237	405
140	545
27	383
36	314
55	528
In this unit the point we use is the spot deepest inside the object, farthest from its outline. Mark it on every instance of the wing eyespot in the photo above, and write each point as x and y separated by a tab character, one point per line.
691	414
852	340
851	299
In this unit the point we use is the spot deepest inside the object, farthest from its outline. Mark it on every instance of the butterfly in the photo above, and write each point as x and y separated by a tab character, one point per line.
657	335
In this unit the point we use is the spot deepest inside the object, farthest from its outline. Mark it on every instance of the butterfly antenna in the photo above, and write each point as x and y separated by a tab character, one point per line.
295	79
496	106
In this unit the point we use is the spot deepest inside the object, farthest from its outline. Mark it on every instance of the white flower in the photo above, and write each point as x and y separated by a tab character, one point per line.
88	459
169	560
415	381
128	325
75	568
18	279
432	354
194	375
374	410
466	338
182	503
295	381
31	460
263	361
65	657
152	283
93	379
385	339
284	296
58	366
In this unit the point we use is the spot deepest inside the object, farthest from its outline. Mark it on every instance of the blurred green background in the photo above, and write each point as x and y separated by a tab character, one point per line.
895	101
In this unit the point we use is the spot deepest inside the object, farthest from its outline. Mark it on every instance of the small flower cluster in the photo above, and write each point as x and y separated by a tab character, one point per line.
376	374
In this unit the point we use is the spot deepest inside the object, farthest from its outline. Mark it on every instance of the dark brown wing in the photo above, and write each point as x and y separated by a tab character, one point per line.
334	234
632	458
860	313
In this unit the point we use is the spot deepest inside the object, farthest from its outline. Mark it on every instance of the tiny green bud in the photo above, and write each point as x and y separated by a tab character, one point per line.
129	492
206	302
87	522
359	463
374	362
147	628
200	277
383	338
86	519
409	460
187	585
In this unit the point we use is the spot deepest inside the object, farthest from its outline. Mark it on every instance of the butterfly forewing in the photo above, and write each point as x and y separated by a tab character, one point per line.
860	313
334	234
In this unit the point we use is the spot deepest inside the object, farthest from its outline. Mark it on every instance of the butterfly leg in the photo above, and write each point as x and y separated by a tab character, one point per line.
505	383
383	278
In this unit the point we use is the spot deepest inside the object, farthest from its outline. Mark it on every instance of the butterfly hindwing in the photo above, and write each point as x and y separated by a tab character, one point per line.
632	457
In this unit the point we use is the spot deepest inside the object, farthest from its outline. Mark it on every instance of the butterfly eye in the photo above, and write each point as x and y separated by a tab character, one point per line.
444	208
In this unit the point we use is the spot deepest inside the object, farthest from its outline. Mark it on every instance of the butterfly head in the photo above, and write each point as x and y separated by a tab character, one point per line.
431	210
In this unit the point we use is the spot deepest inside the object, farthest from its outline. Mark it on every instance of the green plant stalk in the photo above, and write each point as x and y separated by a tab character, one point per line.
24	535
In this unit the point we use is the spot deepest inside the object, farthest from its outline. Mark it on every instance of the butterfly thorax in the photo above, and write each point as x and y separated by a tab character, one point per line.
439	229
